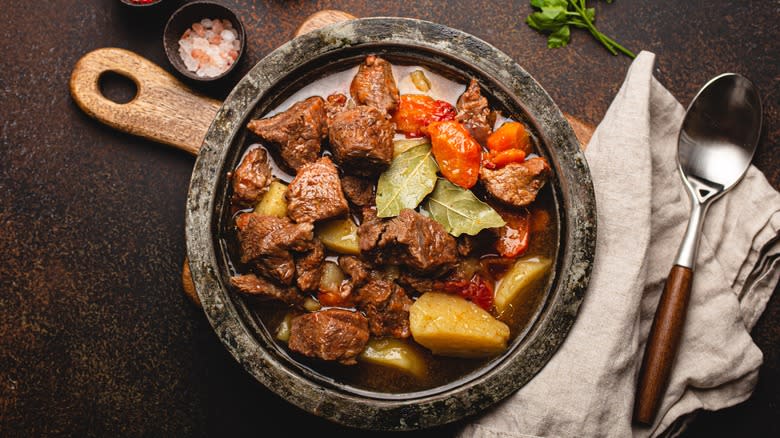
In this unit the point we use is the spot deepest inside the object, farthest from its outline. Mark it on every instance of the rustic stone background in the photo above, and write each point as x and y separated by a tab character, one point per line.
96	337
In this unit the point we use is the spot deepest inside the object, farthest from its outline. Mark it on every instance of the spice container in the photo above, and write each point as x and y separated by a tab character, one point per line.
204	40
141	2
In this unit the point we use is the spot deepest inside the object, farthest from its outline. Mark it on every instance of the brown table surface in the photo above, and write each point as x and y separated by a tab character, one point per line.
96	336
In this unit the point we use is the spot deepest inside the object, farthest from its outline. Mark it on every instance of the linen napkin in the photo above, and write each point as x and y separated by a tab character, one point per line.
587	388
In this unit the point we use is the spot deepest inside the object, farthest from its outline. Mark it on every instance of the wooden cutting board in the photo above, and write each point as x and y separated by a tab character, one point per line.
167	111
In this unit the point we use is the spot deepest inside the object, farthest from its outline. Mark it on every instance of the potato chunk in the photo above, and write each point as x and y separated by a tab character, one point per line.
394	353
331	278
283	331
339	235
273	202
519	280
449	325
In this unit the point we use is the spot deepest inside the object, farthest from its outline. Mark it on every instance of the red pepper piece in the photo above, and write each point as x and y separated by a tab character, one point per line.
477	290
497	160
456	152
511	135
416	111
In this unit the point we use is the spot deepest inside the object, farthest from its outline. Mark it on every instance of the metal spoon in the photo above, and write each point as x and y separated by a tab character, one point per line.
717	140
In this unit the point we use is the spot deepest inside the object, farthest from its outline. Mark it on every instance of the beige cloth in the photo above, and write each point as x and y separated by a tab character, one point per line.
587	388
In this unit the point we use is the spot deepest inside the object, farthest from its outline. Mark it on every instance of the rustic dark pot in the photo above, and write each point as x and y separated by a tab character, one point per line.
459	56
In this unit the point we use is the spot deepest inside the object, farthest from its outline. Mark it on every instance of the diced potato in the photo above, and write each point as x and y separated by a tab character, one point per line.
394	353
331	278
519	280
339	235
449	325
420	81
274	202
401	146
311	304
283	331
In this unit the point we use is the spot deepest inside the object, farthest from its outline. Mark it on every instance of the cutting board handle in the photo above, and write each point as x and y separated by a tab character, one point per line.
163	110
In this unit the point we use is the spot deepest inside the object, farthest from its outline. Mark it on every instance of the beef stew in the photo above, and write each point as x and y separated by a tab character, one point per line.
387	263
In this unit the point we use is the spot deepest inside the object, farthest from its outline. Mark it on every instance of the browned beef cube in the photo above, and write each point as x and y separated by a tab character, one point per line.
315	193
266	241
516	184
361	139
251	284
334	104
474	113
297	132
387	308
374	85
358	272
356	269
418	284
308	267
252	177
409	239
331	334
359	191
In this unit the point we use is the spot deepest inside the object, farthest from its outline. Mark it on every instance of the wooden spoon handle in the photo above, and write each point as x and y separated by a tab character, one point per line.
163	110
662	344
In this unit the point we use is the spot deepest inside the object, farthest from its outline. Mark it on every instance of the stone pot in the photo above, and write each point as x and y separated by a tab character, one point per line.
455	54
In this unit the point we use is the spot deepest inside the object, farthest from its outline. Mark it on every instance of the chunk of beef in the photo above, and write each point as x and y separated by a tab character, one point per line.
297	132
265	243
315	193
367	214
356	269
409	239
474	113
251	284
334	104
308	267
516	184
374	85
361	139
359	191
418	284
252	177
358	272
387	308
331	334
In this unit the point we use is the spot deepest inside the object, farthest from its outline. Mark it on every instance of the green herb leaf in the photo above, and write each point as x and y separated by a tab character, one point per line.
408	180
543	22
557	16
459	211
559	38
590	14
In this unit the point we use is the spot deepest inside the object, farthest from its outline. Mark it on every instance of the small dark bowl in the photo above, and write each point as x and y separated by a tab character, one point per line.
141	5
183	19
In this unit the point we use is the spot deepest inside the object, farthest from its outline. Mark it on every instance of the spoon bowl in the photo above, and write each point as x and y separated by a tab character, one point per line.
720	132
717	140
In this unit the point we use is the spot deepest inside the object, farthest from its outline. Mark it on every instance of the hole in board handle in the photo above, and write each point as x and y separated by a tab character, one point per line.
117	88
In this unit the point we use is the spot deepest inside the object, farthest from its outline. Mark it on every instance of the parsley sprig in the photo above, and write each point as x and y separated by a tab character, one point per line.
557	16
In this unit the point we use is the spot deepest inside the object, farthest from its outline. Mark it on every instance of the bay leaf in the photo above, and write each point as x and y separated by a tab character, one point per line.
403	145
460	211
409	179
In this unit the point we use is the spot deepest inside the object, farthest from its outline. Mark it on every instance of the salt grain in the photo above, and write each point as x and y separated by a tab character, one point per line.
228	35
210	47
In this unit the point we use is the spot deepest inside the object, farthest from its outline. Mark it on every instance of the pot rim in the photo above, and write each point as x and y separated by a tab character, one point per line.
575	253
